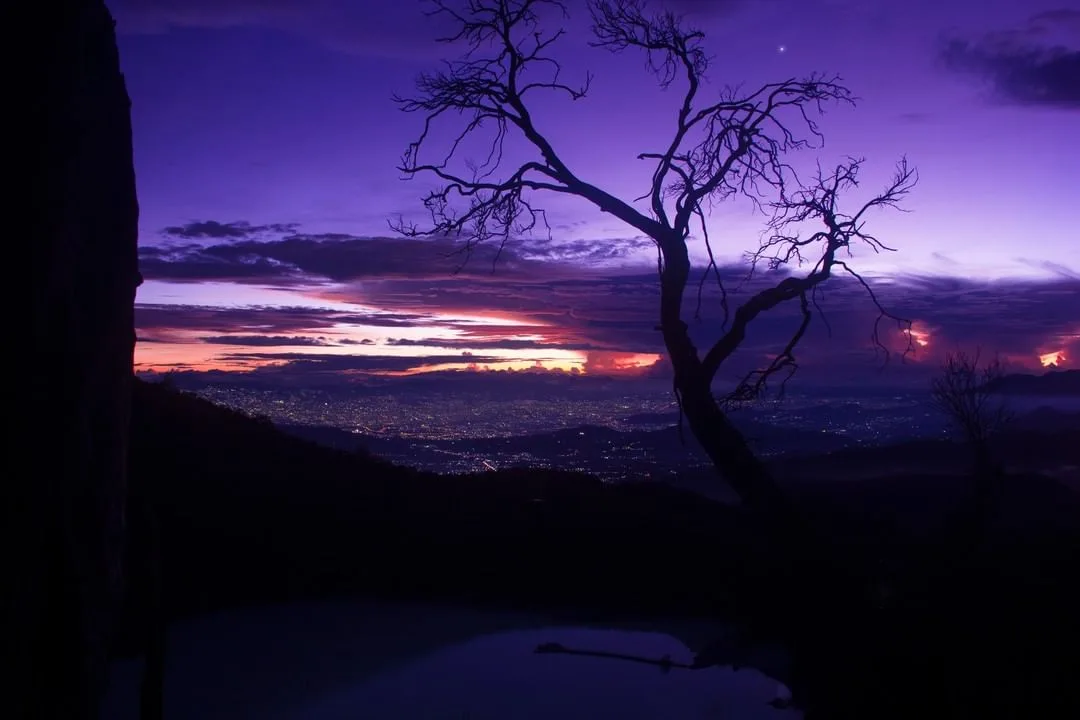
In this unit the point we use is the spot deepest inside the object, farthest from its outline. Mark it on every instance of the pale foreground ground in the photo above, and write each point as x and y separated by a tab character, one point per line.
358	660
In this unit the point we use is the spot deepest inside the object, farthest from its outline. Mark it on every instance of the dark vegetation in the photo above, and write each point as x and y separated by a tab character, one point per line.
249	514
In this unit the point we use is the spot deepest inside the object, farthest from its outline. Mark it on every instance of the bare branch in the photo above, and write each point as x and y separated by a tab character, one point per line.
665	663
964	392
669	50
784	245
505	63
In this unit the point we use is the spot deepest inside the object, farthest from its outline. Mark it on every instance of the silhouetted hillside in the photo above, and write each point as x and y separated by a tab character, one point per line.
248	510
251	513
1048	420
1035	444
1058	382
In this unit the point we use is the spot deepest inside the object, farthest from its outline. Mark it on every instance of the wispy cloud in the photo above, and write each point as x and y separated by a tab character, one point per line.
268	340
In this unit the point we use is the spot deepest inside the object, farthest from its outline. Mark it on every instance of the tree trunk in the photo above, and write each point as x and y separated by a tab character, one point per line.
721	440
800	592
75	400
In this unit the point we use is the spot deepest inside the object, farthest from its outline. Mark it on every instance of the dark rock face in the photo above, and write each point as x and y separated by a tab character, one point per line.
74	399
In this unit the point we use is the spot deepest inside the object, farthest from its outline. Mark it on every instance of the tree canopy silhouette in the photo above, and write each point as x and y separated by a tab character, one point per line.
723	143
964	392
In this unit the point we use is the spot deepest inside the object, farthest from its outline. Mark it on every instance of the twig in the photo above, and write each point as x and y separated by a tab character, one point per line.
665	663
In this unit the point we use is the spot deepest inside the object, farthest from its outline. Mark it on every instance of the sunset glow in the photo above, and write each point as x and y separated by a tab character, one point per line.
920	337
1052	359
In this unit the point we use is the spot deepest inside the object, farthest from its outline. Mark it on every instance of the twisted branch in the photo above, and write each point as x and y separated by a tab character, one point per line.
723	143
784	244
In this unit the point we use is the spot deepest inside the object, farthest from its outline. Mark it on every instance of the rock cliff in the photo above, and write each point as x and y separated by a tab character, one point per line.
73	397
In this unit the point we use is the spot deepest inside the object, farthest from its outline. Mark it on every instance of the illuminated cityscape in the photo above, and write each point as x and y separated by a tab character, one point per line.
617	436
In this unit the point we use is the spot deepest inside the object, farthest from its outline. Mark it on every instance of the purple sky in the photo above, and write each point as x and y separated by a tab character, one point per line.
266	144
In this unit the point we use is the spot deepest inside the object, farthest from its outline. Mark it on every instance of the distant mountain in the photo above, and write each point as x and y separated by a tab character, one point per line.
1057	383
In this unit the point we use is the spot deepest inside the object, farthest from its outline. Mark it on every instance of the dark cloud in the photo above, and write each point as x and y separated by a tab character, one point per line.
1059	17
341	257
198	267
272	321
217	230
1036	64
268	340
393	29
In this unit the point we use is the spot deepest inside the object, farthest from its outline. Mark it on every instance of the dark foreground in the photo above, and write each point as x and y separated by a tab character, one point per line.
898	619
345	659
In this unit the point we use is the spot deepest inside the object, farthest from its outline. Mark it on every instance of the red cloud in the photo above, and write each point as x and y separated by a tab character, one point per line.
603	362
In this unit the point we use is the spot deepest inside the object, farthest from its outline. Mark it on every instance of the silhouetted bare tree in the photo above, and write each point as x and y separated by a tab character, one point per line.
964	391
723	143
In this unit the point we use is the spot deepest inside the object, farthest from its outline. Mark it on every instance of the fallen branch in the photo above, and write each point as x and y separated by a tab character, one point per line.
665	663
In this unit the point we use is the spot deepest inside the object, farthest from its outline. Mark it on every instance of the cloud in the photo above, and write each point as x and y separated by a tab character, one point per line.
269	320
383	29
299	364
199	268
1054	268
338	257
579	297
268	340
611	319
487	343
231	230
1037	64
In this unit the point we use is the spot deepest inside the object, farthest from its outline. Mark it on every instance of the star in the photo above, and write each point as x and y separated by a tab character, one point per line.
781	49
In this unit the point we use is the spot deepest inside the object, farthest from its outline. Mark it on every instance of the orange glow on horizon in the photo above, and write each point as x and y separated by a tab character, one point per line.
593	363
919	336
503	366
187	350
617	362
1053	359
916	341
